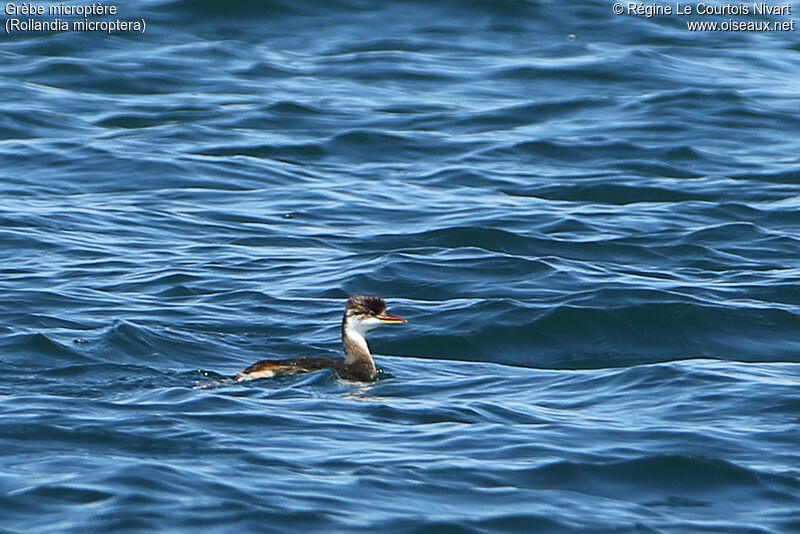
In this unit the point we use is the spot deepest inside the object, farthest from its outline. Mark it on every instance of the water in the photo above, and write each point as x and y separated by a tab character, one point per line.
589	220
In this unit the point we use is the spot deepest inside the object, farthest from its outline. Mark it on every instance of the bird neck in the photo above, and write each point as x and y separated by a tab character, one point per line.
356	350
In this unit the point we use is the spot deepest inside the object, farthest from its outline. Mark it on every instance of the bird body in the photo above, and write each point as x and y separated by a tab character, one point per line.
361	315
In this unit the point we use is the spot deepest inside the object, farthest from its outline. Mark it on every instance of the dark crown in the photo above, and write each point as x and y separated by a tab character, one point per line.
361	304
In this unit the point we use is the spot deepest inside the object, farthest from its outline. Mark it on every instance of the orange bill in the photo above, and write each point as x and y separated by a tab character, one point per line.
391	319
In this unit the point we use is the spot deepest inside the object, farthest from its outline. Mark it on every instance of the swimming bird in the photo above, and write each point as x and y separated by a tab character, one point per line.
361	315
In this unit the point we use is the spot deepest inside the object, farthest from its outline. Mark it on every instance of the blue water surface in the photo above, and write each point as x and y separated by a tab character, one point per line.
589	220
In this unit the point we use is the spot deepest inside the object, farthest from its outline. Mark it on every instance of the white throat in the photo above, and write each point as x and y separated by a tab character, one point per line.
354	332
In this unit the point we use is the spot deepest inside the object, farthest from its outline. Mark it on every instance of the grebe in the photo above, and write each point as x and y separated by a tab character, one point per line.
361	315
